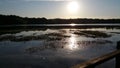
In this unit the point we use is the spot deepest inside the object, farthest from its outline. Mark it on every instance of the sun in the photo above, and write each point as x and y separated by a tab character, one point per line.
73	6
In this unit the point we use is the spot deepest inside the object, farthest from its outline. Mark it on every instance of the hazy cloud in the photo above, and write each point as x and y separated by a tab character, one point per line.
48	0
31	0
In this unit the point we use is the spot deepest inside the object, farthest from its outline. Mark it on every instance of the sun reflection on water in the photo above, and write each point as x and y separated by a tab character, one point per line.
72	43
72	24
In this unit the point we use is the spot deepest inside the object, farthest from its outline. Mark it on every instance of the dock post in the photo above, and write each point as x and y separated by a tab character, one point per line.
118	56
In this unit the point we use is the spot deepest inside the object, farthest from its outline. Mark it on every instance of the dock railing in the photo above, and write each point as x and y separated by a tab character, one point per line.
99	60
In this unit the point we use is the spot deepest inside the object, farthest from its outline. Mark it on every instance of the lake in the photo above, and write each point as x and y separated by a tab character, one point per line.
56	48
54	25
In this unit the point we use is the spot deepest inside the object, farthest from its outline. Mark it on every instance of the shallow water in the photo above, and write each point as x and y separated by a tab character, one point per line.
56	48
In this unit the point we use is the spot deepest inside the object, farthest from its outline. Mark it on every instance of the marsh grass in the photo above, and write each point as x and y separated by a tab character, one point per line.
115	32
93	34
61	45
51	46
48	37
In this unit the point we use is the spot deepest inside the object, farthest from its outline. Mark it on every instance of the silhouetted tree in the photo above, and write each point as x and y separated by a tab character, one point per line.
13	19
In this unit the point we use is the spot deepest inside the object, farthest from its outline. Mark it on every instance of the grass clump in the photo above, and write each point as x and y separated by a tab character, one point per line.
93	34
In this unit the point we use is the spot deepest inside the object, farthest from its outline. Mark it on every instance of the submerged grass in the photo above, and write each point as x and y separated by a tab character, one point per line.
49	45
115	32
93	34
48	37
63	44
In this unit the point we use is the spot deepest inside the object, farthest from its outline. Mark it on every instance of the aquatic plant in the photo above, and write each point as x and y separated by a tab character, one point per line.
93	34
48	37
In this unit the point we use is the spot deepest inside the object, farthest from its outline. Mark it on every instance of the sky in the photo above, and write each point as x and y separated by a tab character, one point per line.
61	8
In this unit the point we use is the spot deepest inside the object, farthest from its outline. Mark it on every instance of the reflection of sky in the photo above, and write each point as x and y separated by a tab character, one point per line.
13	51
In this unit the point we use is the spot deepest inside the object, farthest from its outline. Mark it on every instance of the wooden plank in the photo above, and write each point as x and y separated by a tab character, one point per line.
94	62
118	56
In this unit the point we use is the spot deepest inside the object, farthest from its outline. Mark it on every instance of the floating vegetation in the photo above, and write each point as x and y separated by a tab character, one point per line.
62	31
93	34
57	35
95	42
51	45
115	32
49	37
60	45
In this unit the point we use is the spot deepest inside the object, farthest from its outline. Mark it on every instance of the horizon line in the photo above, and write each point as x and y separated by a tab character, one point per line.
59	17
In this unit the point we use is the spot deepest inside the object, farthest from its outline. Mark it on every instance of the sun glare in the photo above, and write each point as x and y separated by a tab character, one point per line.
72	43
73	6
72	24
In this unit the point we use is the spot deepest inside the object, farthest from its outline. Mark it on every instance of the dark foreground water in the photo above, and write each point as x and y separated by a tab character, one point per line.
56	48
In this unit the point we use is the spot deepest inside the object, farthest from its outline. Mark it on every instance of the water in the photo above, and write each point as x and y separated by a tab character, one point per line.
56	48
104	24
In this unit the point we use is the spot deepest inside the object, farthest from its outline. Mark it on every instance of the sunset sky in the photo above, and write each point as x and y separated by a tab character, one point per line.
61	8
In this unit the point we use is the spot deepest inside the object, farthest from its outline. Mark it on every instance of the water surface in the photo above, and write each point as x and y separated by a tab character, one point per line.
56	48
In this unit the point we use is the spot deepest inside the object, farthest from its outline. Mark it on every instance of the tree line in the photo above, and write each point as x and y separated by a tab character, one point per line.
13	19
